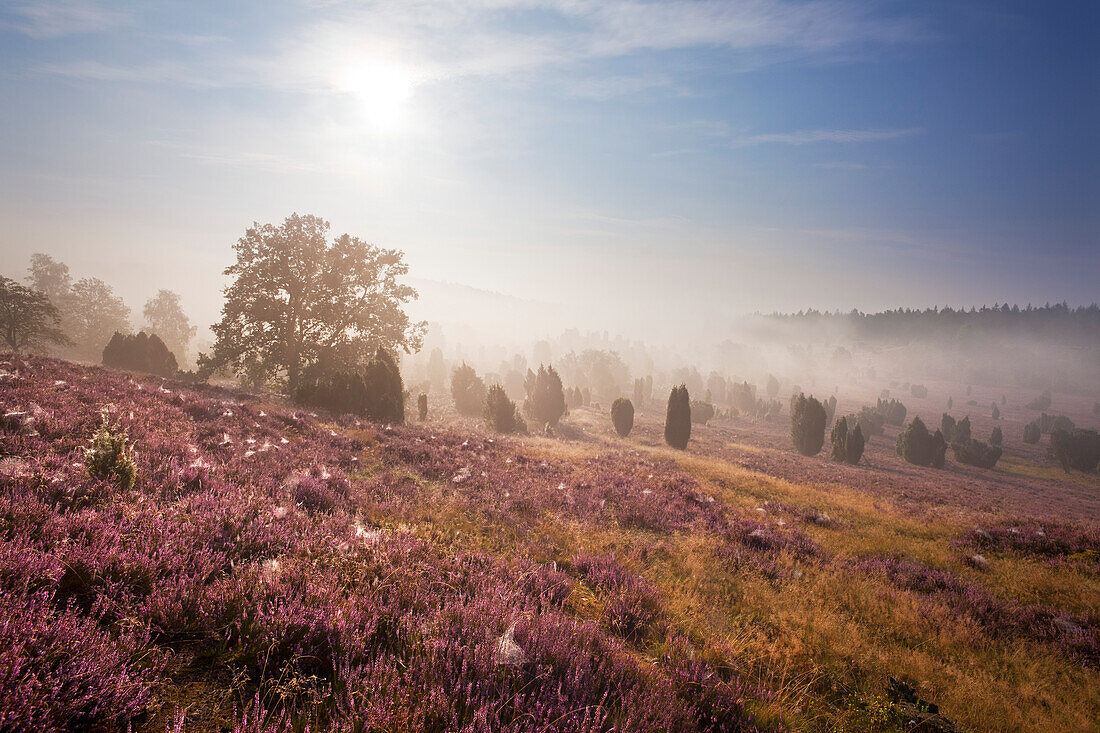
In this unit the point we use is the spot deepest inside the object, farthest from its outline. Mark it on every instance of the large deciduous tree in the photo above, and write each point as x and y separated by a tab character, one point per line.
51	277
166	319
28	320
299	301
96	313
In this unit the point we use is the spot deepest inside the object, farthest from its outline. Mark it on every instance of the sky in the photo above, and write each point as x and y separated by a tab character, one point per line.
636	165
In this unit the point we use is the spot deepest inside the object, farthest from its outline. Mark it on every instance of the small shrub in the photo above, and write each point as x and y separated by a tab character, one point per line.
996	438
870	421
622	416
807	425
545	403
1075	448
847	443
375	392
950	402
140	353
893	411
996	412
383	391
701	412
743	396
919	391
766	409
1032	432
962	432
678	418
1042	402
422	407
939	450
108	456
919	447
1049	423
830	408
947	427
468	391
500	412
976	453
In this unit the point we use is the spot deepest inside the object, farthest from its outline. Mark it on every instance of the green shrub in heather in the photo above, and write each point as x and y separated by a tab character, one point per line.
701	412
678	418
807	424
1077	449
622	416
947	427
919	447
108	456
847	442
545	403
500	412
468	391
976	453
961	435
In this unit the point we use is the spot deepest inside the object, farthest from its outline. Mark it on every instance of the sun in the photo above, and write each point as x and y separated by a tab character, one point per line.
381	90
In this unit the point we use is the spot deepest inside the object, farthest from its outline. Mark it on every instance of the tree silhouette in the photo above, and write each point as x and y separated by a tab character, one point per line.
28	320
298	299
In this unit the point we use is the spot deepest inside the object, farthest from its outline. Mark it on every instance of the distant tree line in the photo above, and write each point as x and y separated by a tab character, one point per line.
1058	322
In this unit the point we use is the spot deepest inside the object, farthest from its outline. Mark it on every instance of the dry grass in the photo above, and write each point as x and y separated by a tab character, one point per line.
826	642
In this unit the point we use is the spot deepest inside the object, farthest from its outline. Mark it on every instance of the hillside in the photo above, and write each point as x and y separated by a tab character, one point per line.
273	568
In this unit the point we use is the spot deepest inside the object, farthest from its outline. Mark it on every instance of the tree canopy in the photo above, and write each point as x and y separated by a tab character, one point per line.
166	319
299	300
28	320
96	313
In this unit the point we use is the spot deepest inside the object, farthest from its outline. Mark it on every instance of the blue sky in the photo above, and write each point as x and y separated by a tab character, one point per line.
728	156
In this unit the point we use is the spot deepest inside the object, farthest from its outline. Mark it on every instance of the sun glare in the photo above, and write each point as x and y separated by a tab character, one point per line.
381	89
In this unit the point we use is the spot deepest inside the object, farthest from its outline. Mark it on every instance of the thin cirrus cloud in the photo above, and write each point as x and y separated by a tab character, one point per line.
490	38
493	38
45	19
808	137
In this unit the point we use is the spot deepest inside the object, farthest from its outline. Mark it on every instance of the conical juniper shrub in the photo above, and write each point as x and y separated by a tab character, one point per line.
678	418
847	442
500	412
807	424
545	403
919	447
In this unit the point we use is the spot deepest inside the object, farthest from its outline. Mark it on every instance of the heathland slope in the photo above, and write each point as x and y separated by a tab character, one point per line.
271	568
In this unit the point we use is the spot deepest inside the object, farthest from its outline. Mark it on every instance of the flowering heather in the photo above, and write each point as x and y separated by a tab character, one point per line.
254	547
1078	636
1032	539
615	489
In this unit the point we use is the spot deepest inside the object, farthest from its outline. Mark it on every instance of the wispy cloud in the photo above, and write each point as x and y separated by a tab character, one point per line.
57	18
609	87
807	137
439	41
673	153
842	165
